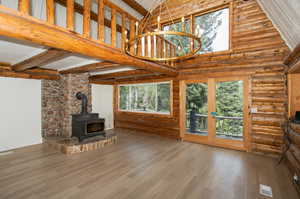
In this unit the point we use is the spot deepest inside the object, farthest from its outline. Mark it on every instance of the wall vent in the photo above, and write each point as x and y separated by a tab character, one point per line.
265	190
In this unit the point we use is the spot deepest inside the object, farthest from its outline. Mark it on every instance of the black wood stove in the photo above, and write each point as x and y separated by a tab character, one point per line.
85	125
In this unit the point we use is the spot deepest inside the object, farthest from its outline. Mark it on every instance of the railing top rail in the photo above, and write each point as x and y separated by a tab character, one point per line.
219	117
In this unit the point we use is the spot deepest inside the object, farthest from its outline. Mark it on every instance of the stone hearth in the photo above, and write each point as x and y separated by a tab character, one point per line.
72	146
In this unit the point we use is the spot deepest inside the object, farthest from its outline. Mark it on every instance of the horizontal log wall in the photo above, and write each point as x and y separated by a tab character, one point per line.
258	51
167	126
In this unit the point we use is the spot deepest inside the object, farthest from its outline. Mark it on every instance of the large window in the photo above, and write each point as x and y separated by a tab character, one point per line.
148	98
214	30
212	27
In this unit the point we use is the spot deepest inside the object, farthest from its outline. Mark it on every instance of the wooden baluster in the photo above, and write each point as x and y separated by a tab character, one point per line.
86	18
132	34
50	12
70	15
158	47
162	48
123	31
101	20
113	27
24	6
152	45
192	32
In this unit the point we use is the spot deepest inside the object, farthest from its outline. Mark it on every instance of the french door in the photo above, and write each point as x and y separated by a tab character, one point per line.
215	111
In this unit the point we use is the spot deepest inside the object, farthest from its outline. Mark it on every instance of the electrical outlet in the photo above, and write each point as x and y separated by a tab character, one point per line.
254	110
265	190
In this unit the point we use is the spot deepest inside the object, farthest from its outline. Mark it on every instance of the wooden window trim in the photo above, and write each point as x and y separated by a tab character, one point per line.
155	114
207	11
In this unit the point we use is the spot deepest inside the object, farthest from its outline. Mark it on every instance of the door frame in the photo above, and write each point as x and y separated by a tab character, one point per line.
211	139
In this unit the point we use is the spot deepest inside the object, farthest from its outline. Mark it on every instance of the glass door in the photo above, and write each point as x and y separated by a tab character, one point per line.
215	112
197	108
229	115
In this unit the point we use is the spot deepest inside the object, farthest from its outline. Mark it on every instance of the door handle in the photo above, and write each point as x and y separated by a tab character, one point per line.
213	114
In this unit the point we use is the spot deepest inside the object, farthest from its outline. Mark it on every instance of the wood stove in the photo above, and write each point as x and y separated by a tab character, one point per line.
85	125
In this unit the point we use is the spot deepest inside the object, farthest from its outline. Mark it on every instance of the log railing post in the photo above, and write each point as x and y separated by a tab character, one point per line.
123	31
24	6
113	27
101	20
132	34
50	11
70	15
86	18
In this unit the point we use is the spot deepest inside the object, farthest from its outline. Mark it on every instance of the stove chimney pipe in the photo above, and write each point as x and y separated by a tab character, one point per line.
84	101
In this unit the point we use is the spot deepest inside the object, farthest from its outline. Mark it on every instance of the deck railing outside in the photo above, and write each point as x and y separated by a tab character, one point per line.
227	127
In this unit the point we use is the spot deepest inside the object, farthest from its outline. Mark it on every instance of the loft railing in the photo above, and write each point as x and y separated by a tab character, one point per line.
96	20
230	127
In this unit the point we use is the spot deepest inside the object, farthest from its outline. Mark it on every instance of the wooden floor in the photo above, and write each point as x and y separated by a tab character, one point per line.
141	166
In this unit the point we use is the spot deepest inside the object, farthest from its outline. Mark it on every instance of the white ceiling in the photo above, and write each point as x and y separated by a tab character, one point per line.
285	16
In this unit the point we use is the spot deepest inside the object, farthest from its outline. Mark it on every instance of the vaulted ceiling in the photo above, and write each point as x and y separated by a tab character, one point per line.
285	16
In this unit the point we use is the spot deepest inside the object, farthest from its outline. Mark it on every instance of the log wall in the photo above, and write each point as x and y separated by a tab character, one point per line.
257	50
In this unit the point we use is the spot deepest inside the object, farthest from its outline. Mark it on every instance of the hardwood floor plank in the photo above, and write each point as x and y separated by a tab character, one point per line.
142	166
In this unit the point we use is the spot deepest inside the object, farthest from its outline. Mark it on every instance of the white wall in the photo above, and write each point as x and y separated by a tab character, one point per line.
20	113
102	103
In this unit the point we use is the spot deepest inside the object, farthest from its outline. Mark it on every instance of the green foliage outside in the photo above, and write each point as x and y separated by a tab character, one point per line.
229	103
145	98
209	23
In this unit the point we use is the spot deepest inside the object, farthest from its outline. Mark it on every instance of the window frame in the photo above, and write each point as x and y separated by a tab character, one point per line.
160	114
191	18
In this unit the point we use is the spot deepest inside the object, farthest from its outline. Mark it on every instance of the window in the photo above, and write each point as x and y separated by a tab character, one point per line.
214	30
183	42
148	98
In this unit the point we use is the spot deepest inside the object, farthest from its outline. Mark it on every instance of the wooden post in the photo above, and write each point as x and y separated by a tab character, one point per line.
113	27
50	12
70	15
132	34
86	17
101	20
24	6
192	31
123	31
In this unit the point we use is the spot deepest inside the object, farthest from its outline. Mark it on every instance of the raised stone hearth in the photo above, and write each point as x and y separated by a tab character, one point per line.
72	146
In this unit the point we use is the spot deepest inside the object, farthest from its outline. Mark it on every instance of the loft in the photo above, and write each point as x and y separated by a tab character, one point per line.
149	99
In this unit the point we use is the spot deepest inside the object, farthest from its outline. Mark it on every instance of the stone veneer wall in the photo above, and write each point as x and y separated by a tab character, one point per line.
59	102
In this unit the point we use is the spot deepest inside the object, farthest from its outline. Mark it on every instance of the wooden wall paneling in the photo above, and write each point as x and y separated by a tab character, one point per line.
257	50
70	15
86	18
163	125
50	11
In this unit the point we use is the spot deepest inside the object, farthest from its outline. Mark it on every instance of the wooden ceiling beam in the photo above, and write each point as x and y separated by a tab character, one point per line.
41	59
14	24
118	75
136	6
36	73
91	68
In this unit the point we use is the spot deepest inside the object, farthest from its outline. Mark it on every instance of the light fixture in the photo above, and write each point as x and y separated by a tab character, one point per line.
169	40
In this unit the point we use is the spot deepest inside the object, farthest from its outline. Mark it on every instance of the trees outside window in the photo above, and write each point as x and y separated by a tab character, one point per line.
151	97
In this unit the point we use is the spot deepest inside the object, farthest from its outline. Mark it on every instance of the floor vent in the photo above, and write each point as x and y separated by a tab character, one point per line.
6	153
265	190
